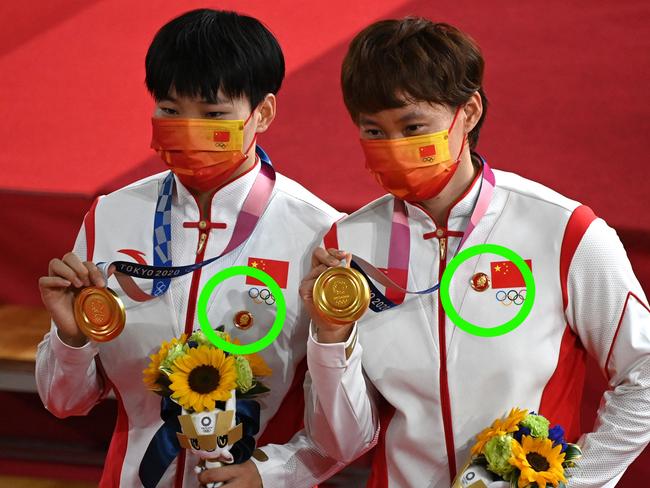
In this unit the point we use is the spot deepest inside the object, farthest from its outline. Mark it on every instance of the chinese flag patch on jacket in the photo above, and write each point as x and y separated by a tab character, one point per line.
278	270
504	274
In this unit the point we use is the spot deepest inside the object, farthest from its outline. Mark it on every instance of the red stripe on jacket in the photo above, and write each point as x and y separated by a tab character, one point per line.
379	471
562	395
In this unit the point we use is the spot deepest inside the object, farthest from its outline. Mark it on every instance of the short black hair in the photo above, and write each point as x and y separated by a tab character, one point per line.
205	50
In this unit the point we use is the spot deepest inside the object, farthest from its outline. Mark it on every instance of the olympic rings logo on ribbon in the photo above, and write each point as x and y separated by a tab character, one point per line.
507	298
261	296
161	287
429	159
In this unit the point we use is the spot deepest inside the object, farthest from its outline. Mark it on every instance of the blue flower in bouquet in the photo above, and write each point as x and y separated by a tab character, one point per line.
556	434
523	430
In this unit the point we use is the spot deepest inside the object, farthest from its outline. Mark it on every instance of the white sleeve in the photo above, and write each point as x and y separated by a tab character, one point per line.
298	464
340	414
608	310
67	378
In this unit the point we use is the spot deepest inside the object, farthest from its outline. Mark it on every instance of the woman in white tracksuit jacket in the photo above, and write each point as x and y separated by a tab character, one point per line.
408	379
73	374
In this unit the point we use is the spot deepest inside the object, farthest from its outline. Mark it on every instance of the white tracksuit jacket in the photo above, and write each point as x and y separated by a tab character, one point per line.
120	225
422	389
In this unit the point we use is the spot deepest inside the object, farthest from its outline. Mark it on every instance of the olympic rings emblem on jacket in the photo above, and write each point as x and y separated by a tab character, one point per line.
507	298
263	295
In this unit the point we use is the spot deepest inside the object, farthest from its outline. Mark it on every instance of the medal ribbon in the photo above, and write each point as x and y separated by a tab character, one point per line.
400	247
162	271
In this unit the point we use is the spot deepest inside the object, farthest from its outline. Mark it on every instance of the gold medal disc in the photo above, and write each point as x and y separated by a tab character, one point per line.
99	313
341	295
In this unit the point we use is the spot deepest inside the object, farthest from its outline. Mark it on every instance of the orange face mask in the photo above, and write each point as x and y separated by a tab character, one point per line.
203	153
413	168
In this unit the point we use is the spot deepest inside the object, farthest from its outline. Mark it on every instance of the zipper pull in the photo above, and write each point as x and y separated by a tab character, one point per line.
202	238
443	249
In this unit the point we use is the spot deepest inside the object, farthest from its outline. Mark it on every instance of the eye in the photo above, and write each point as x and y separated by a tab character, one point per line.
414	128
168	111
214	115
373	133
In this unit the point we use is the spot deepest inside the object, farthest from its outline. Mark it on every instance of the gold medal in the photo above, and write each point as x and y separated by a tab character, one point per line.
341	295
99	313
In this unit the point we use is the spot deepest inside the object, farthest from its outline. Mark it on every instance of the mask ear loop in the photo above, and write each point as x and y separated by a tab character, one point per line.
250	116
462	145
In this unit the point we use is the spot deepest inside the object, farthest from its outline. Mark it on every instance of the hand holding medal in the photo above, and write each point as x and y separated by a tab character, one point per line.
336	296
71	293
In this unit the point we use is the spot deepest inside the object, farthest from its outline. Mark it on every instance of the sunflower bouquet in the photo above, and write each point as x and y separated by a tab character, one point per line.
213	390
520	451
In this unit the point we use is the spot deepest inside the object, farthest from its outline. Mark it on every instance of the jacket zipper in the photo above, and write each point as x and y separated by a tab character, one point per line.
203	236
445	401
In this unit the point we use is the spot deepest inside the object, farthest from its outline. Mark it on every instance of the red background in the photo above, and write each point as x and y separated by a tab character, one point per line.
567	82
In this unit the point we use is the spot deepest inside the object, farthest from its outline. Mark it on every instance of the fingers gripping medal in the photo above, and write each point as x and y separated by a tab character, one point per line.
99	313
341	295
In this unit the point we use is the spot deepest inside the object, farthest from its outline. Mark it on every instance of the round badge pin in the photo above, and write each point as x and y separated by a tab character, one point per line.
243	320
480	282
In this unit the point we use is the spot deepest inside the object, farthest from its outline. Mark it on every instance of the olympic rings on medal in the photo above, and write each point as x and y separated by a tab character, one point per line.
261	296
511	296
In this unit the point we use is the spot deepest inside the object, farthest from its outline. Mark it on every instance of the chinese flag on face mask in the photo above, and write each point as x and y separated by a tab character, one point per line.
221	136
278	270
504	274
428	151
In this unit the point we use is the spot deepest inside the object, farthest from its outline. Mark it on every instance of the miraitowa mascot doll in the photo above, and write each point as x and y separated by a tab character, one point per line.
211	434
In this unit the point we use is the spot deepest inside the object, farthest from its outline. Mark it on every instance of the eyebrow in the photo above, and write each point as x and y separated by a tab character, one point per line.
404	118
366	121
217	101
411	116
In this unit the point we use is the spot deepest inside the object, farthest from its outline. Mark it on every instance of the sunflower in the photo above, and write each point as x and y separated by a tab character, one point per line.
499	427
202	377
538	461
514	418
152	375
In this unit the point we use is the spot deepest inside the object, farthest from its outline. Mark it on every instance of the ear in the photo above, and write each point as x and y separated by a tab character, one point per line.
473	110
267	110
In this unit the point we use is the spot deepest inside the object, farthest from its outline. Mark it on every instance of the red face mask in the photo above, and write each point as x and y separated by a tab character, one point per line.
202	153
413	168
